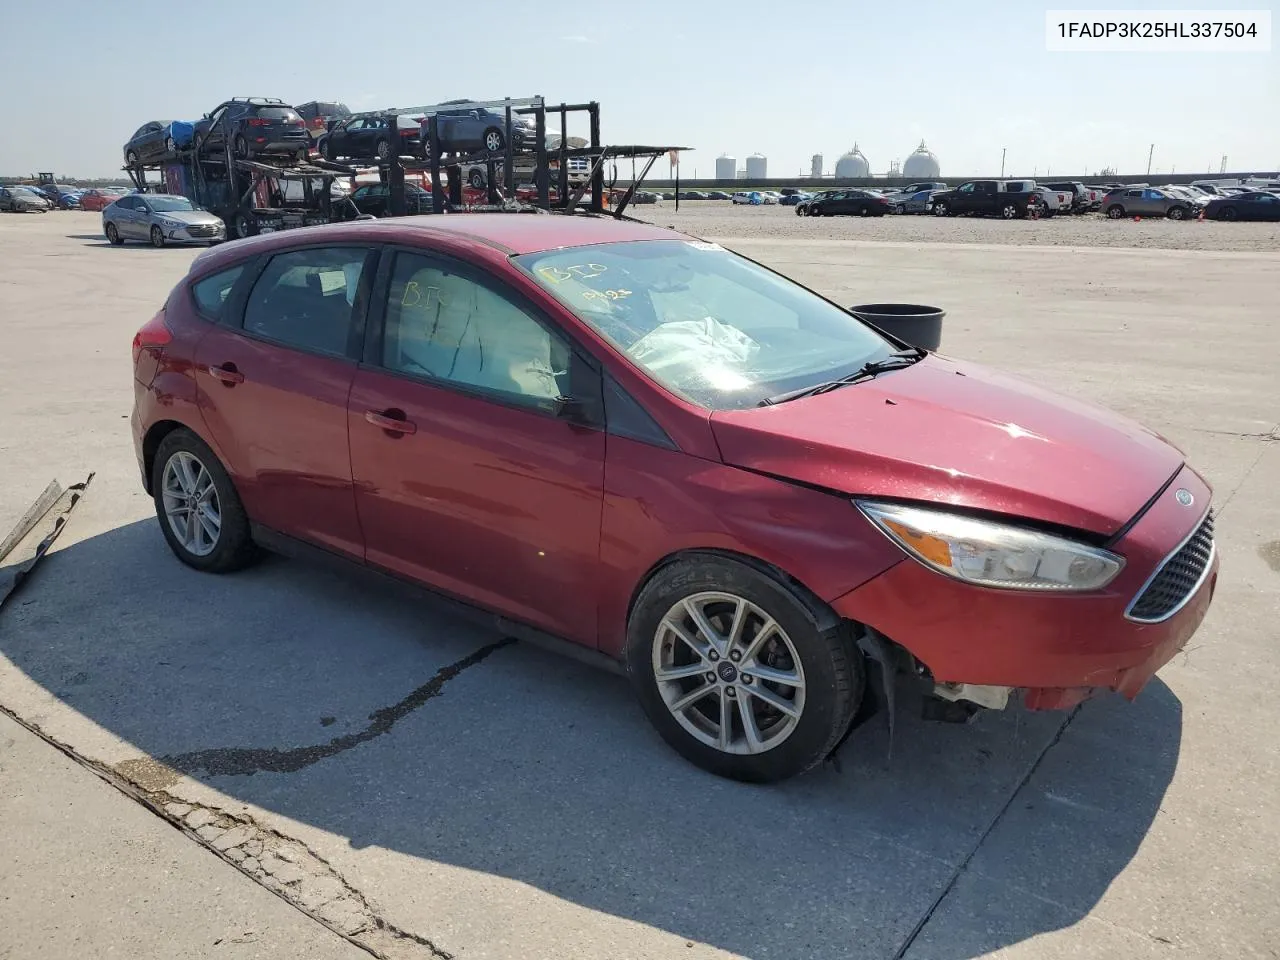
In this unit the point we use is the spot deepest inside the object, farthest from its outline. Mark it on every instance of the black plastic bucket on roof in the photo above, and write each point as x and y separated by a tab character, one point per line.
915	323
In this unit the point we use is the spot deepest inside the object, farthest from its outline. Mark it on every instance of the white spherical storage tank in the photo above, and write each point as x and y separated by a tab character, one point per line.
726	167
853	165
921	165
757	167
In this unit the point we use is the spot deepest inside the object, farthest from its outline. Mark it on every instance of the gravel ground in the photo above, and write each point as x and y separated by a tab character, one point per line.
722	220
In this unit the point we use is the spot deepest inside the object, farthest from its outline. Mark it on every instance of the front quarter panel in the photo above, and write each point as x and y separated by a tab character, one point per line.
660	502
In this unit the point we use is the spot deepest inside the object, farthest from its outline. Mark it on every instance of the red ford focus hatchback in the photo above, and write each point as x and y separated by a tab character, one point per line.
643	444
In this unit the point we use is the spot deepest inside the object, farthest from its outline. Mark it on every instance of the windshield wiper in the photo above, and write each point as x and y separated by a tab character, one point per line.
895	361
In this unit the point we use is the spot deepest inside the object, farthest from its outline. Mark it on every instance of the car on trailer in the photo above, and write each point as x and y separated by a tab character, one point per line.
467	129
253	127
369	137
318	115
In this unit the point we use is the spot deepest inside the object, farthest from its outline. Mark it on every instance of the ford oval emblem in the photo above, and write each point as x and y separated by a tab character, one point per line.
1184	497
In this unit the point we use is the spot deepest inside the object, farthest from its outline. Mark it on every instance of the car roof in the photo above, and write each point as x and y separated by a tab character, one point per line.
512	233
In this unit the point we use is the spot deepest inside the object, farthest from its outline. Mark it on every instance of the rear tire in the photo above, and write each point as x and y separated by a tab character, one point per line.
1176	213
382	150
218	539
113	235
476	179
241	147
796	720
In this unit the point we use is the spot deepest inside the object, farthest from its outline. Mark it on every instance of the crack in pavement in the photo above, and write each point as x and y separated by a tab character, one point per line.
285	866
246	761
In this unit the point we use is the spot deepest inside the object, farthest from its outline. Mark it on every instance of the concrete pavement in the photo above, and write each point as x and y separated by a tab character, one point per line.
519	805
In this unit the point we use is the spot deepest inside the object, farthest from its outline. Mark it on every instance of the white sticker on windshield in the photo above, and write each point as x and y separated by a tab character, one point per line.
704	245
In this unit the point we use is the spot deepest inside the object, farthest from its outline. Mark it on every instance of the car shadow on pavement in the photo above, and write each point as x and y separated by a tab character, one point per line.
355	708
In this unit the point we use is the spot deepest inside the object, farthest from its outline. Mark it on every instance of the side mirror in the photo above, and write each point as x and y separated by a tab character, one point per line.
573	409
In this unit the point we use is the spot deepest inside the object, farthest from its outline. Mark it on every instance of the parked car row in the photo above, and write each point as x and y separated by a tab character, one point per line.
39	198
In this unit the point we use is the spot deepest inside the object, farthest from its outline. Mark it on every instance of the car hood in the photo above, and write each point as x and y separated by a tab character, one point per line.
188	216
950	432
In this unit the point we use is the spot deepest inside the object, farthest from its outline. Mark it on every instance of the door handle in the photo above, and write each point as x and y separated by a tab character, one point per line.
227	373
392	422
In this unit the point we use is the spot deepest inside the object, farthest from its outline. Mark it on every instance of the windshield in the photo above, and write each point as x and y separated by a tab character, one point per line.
706	324
169	204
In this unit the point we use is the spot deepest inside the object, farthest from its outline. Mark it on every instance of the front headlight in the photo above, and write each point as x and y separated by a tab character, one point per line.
992	554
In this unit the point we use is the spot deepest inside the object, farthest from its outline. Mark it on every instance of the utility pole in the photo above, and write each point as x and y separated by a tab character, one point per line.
1003	150
1150	153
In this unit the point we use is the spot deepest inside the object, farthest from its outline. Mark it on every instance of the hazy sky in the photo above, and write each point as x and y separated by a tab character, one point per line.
729	77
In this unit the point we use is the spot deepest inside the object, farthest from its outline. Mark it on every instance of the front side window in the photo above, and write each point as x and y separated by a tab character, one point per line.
706	324
966	188
306	299
212	292
444	325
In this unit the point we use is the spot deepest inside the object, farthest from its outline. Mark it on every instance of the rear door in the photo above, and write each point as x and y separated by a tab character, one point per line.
986	196
467	479
274	377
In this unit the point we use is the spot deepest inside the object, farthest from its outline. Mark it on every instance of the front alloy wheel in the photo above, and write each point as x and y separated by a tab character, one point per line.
733	671
728	673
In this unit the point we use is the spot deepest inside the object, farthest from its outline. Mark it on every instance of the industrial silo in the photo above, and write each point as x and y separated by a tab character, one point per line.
815	166
726	167
757	167
853	165
921	165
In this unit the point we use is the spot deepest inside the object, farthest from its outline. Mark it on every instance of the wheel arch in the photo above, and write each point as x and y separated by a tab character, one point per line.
819	611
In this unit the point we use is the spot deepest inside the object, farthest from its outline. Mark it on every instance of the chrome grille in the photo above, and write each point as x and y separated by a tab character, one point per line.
203	230
1177	579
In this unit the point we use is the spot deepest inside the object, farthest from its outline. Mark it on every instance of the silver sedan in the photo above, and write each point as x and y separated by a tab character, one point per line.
160	218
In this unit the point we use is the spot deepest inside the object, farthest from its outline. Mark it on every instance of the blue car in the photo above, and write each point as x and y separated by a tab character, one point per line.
791	199
61	196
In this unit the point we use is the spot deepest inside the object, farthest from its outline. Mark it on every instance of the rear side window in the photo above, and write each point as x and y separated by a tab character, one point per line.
212	292
307	299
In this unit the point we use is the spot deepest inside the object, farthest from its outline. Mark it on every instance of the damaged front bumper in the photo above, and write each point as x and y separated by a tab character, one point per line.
983	646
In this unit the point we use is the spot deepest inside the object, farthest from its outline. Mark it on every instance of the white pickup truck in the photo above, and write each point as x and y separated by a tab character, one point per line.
1055	201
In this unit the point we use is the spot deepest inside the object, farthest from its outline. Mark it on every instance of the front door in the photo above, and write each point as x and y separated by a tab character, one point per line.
274	381
466	477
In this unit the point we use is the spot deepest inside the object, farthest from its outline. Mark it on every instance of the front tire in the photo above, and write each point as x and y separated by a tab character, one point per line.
1009	211
735	675
157	237
941	209
382	150
1115	211
200	512
494	140
1228	213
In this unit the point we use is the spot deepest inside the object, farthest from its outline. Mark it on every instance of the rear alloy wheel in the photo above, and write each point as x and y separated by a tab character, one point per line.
113	235
241	147
157	237
382	150
1176	213
131	158
734	674
199	510
1008	211
1115	212
326	150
